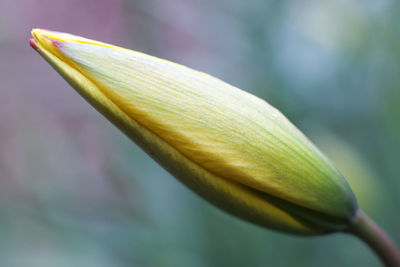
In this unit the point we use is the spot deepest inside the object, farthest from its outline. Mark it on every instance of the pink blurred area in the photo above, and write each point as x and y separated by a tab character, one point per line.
45	124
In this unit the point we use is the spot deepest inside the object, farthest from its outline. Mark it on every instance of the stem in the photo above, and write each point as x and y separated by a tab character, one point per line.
377	240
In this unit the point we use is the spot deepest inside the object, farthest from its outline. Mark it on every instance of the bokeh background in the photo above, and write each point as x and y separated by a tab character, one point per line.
74	191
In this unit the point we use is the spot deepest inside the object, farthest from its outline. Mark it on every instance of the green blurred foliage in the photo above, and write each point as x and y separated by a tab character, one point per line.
75	191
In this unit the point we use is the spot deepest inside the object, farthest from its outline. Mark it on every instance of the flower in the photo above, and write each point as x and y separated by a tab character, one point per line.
230	147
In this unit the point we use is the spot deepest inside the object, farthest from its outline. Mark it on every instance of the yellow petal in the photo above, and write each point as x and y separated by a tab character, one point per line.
229	146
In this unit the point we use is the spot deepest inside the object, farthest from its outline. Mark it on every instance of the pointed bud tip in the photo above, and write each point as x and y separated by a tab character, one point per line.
46	40
33	44
43	33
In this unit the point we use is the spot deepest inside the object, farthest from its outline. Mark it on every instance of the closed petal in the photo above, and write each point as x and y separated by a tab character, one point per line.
229	146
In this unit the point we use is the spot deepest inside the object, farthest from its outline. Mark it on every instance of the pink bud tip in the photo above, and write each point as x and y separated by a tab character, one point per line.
33	44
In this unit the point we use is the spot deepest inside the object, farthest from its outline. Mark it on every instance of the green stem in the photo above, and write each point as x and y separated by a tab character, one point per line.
377	240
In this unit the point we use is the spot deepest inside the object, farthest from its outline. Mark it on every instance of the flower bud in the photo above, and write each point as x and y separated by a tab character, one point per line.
230	147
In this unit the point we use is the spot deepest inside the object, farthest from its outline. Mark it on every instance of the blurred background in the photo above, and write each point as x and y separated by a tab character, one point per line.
74	191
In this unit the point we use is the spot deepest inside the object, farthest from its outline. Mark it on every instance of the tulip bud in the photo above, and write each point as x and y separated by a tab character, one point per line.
230	147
